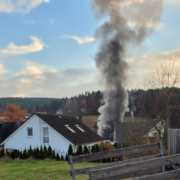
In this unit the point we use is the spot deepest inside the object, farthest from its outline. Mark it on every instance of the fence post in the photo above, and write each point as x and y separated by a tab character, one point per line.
161	153
72	168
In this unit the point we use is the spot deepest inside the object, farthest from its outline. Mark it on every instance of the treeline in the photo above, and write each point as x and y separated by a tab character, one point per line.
146	101
88	103
85	104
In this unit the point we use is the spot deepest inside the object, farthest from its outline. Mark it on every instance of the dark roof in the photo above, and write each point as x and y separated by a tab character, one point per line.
139	128
8	128
58	123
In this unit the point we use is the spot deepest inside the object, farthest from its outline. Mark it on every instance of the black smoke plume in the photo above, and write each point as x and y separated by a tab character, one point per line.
124	24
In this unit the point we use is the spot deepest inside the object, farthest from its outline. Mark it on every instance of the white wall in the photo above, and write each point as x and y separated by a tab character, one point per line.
20	141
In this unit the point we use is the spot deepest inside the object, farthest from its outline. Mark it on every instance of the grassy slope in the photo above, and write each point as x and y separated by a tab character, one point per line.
38	170
90	120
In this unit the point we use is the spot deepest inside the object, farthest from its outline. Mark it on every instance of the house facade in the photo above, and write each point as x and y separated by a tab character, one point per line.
54	130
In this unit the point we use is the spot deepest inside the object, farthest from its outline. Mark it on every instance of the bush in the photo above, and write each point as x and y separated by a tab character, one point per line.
70	150
106	146
62	158
79	150
2	152
66	157
57	157
49	153
86	151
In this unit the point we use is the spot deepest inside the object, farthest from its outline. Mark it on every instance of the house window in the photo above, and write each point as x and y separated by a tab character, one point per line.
45	135
29	132
80	128
72	130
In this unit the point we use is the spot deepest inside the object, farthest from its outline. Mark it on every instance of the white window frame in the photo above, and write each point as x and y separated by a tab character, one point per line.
68	127
81	129
27	132
45	135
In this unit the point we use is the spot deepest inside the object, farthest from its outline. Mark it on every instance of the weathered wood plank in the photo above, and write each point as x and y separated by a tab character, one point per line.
134	174
162	176
173	141
115	153
134	167
87	170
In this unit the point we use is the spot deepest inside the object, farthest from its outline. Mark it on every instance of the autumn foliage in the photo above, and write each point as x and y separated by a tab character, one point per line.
14	112
106	146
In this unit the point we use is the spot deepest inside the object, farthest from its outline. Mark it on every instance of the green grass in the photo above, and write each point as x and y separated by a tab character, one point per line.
38	170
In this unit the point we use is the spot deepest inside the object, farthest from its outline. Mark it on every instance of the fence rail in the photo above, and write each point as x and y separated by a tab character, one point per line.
116	153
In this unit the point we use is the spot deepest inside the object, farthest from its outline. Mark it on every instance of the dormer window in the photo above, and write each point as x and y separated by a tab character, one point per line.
82	130
72	130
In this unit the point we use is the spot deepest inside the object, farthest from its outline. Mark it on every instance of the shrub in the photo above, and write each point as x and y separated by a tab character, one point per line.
62	158
70	150
66	157
57	157
106	146
86	151
49	152
2	152
79	150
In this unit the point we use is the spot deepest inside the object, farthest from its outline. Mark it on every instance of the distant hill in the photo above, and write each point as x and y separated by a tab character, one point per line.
33	104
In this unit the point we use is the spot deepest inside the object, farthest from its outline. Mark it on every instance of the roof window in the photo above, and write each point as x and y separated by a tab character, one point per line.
82	130
72	130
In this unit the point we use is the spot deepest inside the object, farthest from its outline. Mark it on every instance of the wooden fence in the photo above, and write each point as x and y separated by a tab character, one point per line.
120	169
173	141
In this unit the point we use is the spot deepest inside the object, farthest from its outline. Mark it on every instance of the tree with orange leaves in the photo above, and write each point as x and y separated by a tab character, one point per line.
14	112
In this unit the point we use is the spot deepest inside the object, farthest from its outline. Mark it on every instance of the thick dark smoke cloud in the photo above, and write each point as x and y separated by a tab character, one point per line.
125	22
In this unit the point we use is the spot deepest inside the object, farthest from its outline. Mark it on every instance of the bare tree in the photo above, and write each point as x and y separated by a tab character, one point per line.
157	105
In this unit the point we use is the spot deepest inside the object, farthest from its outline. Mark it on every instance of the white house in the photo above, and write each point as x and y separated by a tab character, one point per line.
54	130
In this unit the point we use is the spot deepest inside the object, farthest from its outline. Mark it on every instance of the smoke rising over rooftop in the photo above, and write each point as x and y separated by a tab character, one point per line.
126	22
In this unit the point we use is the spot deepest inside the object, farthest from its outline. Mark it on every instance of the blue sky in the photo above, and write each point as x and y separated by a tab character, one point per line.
47	47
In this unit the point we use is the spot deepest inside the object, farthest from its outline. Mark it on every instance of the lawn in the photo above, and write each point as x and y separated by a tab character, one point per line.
38	170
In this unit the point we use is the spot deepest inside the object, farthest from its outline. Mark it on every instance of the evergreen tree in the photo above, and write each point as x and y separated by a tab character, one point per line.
93	150
13	155
97	148
34	153
70	150
2	152
57	157
37	153
41	155
62	158
24	155
86	151
30	151
79	150
66	157
49	152
45	151
53	154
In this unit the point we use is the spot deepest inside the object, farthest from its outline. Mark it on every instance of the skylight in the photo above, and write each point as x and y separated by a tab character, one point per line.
80	128
72	130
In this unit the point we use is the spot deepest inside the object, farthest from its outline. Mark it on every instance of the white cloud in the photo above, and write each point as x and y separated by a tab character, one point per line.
80	40
13	49
172	2
2	69
36	80
23	6
31	70
147	64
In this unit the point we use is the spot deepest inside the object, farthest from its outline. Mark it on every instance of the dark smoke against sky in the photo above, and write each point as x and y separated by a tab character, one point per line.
126	23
